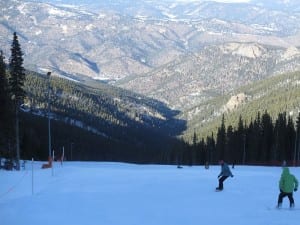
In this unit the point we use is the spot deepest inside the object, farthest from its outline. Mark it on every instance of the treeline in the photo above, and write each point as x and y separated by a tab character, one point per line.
263	141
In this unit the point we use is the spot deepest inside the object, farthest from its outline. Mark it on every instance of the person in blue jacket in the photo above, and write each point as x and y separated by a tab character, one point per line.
224	174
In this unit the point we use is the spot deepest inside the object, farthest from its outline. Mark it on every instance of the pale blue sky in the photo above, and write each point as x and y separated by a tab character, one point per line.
225	1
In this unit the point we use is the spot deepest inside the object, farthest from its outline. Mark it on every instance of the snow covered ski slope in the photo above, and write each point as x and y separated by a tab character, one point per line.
92	193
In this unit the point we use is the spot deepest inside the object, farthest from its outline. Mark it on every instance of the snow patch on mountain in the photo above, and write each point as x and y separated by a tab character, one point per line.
38	32
61	13
243	49
64	28
22	9
234	102
290	53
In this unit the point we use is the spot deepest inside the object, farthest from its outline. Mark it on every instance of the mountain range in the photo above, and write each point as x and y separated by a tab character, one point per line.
182	53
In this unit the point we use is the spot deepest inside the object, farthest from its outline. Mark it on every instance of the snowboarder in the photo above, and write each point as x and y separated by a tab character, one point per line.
287	184
224	174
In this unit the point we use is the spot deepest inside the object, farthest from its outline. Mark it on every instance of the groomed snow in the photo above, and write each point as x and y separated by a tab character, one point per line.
91	193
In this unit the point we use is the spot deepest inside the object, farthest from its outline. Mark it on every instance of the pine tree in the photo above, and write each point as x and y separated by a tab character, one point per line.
240	155
221	140
267	133
3	88
192	150
16	82
290	136
257	150
230	144
279	137
4	106
297	141
250	141
210	147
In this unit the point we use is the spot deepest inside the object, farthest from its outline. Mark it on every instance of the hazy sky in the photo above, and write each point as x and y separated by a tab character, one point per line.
226	1
232	0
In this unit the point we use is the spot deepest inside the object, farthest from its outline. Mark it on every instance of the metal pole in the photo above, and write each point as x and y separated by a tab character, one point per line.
298	158
52	167
17	135
72	151
244	150
295	150
32	190
298	152
49	123
63	156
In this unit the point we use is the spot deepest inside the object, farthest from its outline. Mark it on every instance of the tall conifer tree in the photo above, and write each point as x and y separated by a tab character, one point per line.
267	135
230	150
221	140
290	136
3	89
297	141
279	137
241	142
16	82
4	104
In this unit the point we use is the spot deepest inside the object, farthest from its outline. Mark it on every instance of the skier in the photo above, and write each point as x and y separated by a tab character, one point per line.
225	173
287	184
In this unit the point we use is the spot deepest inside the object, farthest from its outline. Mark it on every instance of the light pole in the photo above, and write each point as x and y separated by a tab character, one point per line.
49	122
244	148
297	143
72	151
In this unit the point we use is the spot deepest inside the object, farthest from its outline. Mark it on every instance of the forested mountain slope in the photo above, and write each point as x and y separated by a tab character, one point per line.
129	123
275	95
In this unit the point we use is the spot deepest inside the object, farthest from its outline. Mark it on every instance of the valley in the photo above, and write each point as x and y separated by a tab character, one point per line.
183	54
